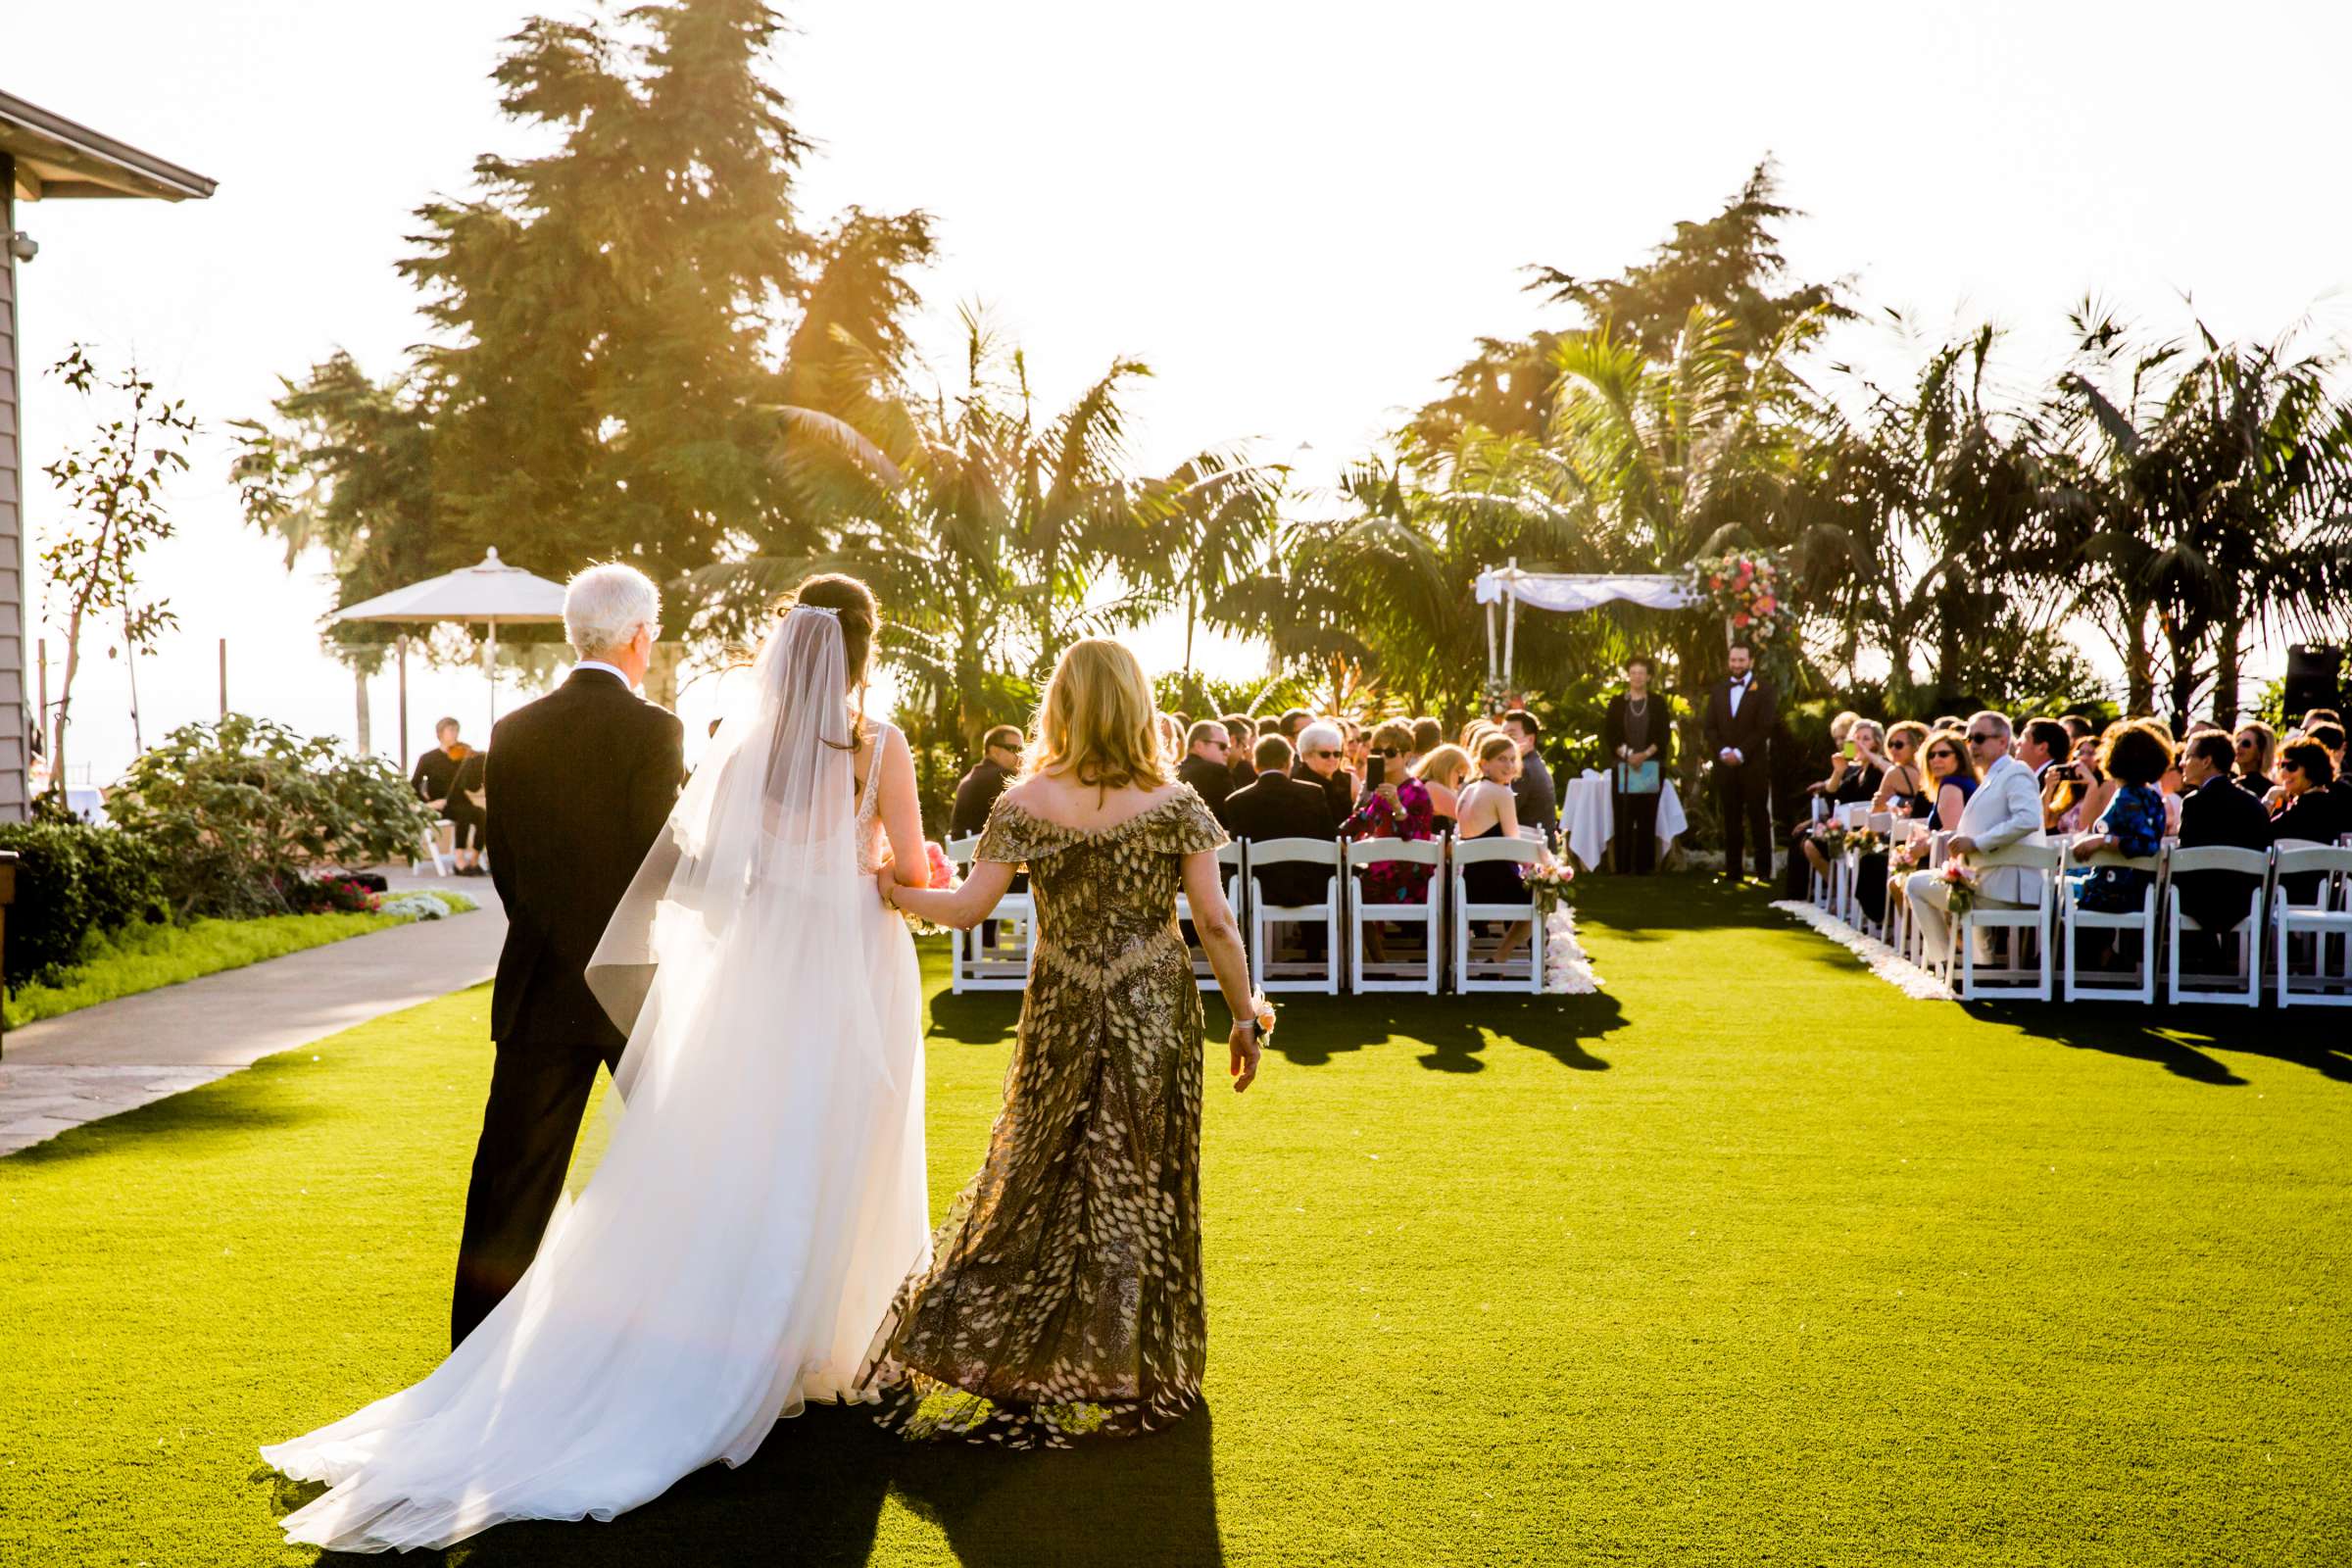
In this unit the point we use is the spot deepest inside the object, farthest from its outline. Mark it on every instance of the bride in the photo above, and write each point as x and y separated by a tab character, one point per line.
763	1193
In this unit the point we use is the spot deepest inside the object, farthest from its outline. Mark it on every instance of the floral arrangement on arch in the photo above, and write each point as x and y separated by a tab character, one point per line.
1746	588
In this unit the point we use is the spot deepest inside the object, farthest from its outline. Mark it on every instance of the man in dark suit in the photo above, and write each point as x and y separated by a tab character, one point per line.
579	785
1532	793
1741	712
1280	806
2215	811
1241	750
1204	768
976	796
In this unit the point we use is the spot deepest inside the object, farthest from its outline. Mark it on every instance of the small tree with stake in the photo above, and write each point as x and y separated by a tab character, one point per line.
112	487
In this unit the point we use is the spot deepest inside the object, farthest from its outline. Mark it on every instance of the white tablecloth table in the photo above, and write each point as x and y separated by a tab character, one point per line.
1589	817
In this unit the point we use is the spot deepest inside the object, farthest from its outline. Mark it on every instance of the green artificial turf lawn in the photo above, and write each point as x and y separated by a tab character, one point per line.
1749	1261
120	964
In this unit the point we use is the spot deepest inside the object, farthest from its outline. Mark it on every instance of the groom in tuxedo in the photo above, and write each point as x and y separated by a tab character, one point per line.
579	785
1742	713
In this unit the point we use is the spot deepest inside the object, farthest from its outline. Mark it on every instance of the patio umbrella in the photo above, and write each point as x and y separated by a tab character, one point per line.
492	593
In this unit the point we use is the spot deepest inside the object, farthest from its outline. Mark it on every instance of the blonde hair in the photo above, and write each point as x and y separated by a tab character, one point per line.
1098	721
1438	765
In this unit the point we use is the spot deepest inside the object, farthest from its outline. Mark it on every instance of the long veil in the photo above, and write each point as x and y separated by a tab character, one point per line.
766	828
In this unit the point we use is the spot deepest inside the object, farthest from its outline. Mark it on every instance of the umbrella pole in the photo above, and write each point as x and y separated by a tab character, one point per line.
404	702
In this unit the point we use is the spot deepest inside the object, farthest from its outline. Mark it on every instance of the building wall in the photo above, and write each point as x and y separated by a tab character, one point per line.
14	722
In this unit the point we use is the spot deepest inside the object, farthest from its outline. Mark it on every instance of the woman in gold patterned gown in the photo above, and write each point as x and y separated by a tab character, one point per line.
1064	1296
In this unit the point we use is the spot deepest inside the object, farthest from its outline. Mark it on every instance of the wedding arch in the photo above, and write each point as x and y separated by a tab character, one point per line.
1510	587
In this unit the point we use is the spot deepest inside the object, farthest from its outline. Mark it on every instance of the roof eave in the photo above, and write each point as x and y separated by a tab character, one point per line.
71	160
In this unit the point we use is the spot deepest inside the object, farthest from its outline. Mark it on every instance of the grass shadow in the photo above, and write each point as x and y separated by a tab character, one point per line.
1652	909
2131	1031
814	1494
1455	1029
976	1017
241	1104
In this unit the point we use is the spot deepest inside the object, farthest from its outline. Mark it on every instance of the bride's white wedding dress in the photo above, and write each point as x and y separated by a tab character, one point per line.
763	1193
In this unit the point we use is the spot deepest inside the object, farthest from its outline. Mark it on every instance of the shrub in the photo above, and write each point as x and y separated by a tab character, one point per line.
245	810
330	895
75	881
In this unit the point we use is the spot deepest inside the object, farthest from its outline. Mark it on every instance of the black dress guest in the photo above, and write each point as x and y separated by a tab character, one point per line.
976	794
1637	721
1741	714
579	783
2215	814
2313	812
1279	807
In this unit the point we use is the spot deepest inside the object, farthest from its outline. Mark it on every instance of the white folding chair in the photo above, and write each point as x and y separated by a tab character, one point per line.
2074	920
440	859
1818	890
1395	975
1294	974
978	965
2244	988
2015	981
2322	922
1230	869
1857	914
1848	817
1495	975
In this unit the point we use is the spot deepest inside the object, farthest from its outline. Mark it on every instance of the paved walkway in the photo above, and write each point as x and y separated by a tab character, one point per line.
122	1055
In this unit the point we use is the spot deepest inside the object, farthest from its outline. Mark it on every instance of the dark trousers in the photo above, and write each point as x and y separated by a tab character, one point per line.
1742	795
468	823
1635	845
537	1095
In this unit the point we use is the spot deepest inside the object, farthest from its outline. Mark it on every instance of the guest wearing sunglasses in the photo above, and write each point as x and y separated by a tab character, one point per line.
1208	766
1321	751
2309	809
2003	809
2216	812
2255	757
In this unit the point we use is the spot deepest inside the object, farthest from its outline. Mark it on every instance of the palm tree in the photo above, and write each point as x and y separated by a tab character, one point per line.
1211	519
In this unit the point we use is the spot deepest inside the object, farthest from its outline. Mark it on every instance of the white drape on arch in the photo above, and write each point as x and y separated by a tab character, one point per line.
1563	590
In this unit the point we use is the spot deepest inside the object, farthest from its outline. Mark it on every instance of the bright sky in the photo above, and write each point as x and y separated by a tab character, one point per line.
1298	215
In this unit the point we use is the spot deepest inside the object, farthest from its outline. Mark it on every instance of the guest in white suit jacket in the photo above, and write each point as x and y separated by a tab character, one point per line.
2007	810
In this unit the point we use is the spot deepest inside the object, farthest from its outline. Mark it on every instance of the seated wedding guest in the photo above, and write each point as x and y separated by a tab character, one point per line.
1637	736
1539	802
1428	736
2135	756
1903	789
2080	775
1241	747
1489	808
2330	734
2102	788
1204	767
1321	750
2216	812
1444	770
1397	808
2002	810
2306	813
2043	745
1294	720
1276	806
1854	779
435	780
1171	737
1389	754
2255	749
977	791
1951	778
2079	728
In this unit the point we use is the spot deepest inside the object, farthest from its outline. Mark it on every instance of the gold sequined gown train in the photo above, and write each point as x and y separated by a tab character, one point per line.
1064	1296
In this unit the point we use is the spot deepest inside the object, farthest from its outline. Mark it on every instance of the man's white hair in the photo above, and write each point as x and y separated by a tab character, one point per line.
1320	737
1999	723
604	606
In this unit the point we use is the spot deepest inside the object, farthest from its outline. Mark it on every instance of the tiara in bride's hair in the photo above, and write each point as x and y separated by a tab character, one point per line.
821	609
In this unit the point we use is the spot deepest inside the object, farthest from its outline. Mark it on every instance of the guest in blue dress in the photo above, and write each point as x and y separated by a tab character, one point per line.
2135	755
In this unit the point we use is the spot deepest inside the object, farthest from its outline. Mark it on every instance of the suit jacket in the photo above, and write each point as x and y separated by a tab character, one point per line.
1748	731
1661	731
1338	787
2007	810
580	783
1212	781
1280	807
976	797
2219	814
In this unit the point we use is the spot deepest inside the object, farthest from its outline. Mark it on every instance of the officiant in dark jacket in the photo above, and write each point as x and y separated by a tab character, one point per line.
1742	713
579	786
1637	739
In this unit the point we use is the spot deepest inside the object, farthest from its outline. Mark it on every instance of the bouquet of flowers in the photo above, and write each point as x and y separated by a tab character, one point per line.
1865	840
1548	885
1832	839
1961	885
